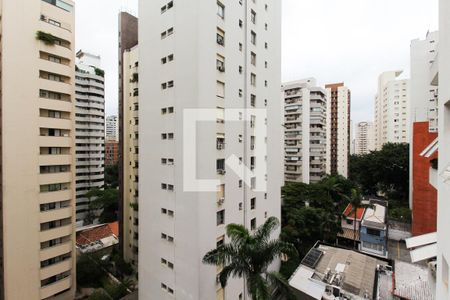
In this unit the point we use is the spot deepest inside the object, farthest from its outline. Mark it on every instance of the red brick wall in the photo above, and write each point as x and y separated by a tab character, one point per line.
424	194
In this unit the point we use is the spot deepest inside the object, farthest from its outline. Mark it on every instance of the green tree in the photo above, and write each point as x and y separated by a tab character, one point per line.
99	295
249	255
112	176
89	274
385	171
107	201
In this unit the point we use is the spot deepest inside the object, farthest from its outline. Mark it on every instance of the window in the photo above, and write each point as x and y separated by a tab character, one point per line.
220	37
220	217
220	63
220	89
253	16
253	58
253	203
240	23
240	183
220	166
240	69
253	224
374	232
253	100
253	37
61	4
253	79
240	47
220	10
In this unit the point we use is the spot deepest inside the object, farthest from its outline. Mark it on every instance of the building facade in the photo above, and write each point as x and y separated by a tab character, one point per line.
112	128
131	155
127	39
441	75
111	153
423	126
392	110
374	231
218	61
305	131
37	150
338	128
364	138
90	130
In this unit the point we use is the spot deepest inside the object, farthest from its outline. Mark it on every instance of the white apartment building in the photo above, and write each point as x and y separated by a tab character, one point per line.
90	131
392	110
364	138
440	74
37	149
222	56
131	154
305	112
424	95
112	128
338	128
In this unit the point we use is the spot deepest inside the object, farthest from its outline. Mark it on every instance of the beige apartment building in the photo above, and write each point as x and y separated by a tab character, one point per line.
37	150
130	155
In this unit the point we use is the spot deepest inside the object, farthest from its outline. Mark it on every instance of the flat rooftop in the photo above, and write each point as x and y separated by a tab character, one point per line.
350	270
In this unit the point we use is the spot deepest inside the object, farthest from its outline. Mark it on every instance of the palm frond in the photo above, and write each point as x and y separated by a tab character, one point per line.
264	231
237	233
279	286
257	287
221	256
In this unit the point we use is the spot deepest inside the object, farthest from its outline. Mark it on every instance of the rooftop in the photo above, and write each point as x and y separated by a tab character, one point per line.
350	213
412	281
335	268
375	216
97	237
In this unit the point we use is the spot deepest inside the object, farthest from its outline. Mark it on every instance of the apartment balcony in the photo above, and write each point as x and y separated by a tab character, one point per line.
56	50
51	104
55	178
57	250
56	214
298	171
55	123
55	196
55	288
56	269
52	160
55	233
60	32
60	87
55	141
56	68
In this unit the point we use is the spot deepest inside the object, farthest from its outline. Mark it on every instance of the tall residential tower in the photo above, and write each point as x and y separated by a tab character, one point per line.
305	111
209	124
90	131
37	150
338	128
364	138
392	110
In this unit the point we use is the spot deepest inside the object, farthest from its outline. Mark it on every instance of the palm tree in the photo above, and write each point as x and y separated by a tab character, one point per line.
249	255
354	200
333	187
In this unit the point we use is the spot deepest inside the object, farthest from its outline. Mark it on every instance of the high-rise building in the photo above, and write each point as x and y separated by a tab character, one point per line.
130	155
210	137
364	138
127	39
111	153
392	110
305	112
37	150
112	128
441	75
423	126
338	128
90	130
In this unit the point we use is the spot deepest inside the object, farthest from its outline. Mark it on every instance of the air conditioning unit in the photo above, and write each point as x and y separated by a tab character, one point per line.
221	171
221	68
220	201
220	40
252	147
220	146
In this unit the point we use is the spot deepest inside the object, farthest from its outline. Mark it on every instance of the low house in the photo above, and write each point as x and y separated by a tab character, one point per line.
374	230
97	237
348	234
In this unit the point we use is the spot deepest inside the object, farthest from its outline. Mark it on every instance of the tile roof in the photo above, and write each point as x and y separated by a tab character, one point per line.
350	213
92	235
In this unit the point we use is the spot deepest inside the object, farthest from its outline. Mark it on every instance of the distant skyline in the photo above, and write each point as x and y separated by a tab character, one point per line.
350	41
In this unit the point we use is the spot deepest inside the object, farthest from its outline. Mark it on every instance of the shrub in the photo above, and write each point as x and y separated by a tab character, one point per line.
47	38
89	274
99	72
99	295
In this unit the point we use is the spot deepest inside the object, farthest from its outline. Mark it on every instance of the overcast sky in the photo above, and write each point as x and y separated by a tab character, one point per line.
332	40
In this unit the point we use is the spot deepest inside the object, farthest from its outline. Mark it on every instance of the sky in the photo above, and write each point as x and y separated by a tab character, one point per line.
351	41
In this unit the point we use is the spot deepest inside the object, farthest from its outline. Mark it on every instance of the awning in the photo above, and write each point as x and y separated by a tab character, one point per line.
421	240
424	253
